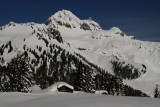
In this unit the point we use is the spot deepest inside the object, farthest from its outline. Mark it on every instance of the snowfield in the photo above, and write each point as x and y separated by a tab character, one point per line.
58	99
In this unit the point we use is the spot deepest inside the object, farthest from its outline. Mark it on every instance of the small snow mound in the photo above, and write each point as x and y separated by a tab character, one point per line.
11	23
35	88
90	19
115	29
101	92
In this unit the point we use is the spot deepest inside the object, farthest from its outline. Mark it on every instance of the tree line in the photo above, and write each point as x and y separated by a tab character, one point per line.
55	65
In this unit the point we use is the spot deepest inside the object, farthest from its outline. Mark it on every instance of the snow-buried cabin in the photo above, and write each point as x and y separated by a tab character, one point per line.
61	87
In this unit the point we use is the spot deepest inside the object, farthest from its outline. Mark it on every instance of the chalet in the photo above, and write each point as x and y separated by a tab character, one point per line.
64	87
60	87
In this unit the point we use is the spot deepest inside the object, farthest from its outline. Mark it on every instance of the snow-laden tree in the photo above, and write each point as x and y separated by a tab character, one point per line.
156	92
20	74
4	80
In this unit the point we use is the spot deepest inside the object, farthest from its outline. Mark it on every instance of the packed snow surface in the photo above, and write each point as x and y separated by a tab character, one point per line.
73	100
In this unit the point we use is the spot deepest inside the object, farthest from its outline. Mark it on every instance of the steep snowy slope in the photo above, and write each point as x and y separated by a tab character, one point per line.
112	49
20	36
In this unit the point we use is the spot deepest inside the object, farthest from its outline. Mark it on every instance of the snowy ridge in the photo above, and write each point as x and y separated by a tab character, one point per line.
114	32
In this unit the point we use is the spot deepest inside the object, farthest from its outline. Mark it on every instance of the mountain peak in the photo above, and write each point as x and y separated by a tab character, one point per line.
65	18
64	15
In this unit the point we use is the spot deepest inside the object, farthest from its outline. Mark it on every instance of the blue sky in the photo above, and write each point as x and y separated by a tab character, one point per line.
140	18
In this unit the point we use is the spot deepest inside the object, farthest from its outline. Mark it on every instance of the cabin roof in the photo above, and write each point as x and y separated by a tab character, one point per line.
57	85
60	84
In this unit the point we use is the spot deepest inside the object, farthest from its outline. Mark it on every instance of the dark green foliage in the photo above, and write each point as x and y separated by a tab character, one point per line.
35	54
57	64
2	60
55	34
127	71
6	46
17	75
129	91
10	47
156	92
69	68
2	49
25	54
42	75
24	47
4	79
105	81
46	41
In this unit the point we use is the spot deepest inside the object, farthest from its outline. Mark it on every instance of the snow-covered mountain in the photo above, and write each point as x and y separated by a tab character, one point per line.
32	54
136	62
140	59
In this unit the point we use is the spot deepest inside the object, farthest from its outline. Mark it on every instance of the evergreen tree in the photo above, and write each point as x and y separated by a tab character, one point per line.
42	75
4	80
79	78
156	92
10	47
89	79
20	74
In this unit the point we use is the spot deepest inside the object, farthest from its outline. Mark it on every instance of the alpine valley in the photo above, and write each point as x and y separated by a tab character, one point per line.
79	52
